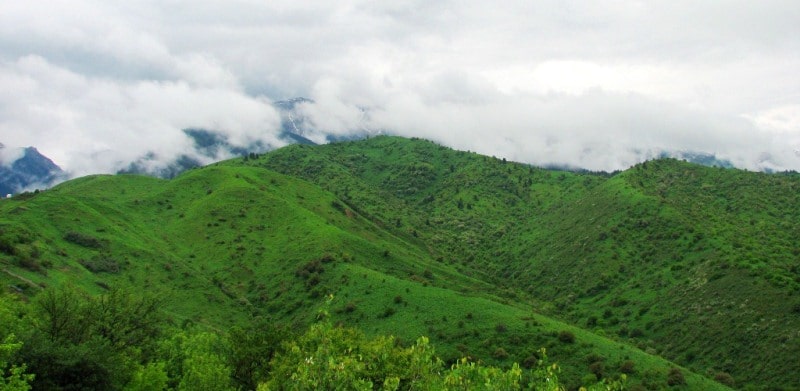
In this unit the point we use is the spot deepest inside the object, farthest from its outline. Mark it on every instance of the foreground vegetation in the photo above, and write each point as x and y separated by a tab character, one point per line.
120	341
671	274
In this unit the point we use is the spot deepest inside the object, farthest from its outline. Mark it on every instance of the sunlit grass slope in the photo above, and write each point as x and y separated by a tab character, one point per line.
490	259
698	264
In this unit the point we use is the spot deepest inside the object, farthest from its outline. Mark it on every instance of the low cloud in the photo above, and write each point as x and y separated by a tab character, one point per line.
596	129
9	155
96	85
92	125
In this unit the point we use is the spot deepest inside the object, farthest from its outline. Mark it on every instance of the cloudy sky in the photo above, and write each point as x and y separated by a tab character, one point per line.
594	84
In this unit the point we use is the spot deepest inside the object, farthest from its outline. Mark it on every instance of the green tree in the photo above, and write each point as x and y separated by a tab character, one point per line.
126	320
82	342
12	377
204	364
328	357
59	314
252	347
465	375
150	377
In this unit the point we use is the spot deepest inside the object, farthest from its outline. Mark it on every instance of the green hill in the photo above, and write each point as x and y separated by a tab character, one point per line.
666	264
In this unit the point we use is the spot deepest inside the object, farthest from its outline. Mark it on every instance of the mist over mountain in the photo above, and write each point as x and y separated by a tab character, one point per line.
207	146
301	122
26	169
97	88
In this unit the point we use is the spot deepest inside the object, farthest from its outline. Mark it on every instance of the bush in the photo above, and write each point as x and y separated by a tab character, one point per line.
310	272
724	378
349	307
530	361
387	312
597	368
31	264
100	264
84	240
627	367
636	333
566	336
500	354
675	377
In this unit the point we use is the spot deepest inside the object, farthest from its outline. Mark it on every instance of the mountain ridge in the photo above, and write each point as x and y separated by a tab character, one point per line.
30	170
483	254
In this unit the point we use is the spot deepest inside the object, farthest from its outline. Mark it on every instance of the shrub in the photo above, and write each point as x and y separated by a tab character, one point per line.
500	354
31	264
530	361
84	240
566	336
597	369
311	267
627	367
724	378
6	245
675	377
100	264
313	280
636	333
593	357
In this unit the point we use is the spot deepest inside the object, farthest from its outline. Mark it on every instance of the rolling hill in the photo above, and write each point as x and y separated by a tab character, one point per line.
667	264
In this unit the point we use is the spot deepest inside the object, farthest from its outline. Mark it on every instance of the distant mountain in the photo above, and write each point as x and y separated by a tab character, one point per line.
210	145
298	128
30	170
704	159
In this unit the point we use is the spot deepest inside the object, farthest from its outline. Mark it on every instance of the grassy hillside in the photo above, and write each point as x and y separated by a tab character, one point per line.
490	259
694	263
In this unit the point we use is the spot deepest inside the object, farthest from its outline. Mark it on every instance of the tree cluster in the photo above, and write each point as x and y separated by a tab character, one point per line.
65	339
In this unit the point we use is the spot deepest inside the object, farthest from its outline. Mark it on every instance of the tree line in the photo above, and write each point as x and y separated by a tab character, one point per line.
65	339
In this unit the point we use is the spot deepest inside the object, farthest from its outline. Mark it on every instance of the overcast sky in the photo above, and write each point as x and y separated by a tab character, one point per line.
594	84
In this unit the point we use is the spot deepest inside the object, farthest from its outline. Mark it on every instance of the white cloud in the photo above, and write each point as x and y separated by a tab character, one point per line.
100	125
599	85
9	155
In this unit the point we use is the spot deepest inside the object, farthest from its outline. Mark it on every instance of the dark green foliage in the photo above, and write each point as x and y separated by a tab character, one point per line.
101	263
675	377
76	341
500	354
84	240
627	367
597	368
725	378
387	312
566	336
252	349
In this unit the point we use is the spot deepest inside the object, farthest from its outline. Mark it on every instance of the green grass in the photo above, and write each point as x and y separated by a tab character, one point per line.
490	259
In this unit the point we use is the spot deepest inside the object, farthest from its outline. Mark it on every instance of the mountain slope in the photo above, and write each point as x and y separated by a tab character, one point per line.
695	263
482	255
224	243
